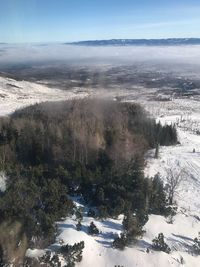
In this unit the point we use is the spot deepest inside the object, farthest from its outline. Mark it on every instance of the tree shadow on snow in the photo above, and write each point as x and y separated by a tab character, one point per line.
112	225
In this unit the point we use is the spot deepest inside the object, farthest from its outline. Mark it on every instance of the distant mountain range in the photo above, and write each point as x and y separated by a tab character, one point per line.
140	42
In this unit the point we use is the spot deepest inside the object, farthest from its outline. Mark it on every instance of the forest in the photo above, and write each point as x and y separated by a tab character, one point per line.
91	148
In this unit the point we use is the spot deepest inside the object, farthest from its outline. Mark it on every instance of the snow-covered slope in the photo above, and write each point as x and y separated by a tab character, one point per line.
98	251
17	94
178	158
186	223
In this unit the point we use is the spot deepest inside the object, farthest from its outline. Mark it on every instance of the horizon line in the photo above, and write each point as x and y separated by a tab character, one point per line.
93	40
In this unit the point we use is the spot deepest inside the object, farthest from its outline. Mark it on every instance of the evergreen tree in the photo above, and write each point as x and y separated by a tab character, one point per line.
78	214
2	263
120	242
157	198
73	254
132	228
93	230
196	246
91	213
78	226
159	244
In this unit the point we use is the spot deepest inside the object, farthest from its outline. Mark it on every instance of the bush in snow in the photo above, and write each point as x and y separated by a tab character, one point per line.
93	230
73	254
91	213
120	242
78	226
159	244
78	214
172	213
132	230
157	197
196	246
30	262
132	227
50	260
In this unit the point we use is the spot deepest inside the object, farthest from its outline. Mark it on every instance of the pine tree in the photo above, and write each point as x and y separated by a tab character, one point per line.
157	199
93	230
78	214
159	244
132	227
2	264
78	226
196	246
120	242
73	254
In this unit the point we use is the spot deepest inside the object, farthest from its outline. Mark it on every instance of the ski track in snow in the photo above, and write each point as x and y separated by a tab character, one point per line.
179	235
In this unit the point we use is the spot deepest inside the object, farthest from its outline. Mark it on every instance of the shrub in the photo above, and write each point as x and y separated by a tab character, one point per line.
120	242
93	230
78	226
132	227
91	213
50	260
159	244
196	246
73	254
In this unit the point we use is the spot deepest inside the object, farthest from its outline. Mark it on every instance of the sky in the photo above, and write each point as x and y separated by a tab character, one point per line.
27	21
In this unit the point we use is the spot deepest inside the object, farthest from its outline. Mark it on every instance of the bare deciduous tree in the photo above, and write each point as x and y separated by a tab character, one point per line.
174	179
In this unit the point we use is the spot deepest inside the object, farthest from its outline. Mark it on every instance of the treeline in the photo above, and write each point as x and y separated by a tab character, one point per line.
77	131
94	148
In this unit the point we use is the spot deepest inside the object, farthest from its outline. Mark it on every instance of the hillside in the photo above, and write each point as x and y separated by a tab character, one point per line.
179	234
93	148
140	42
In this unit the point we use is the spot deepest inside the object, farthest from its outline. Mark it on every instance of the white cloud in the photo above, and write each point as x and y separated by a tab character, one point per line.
67	53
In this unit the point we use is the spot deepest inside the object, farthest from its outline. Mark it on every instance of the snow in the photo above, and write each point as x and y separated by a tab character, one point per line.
186	223
3	179
98	252
34	253
17	94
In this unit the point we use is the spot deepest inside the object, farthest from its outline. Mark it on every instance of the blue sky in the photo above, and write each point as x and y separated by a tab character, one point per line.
73	20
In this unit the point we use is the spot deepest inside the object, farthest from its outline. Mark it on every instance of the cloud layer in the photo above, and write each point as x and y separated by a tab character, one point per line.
45	53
